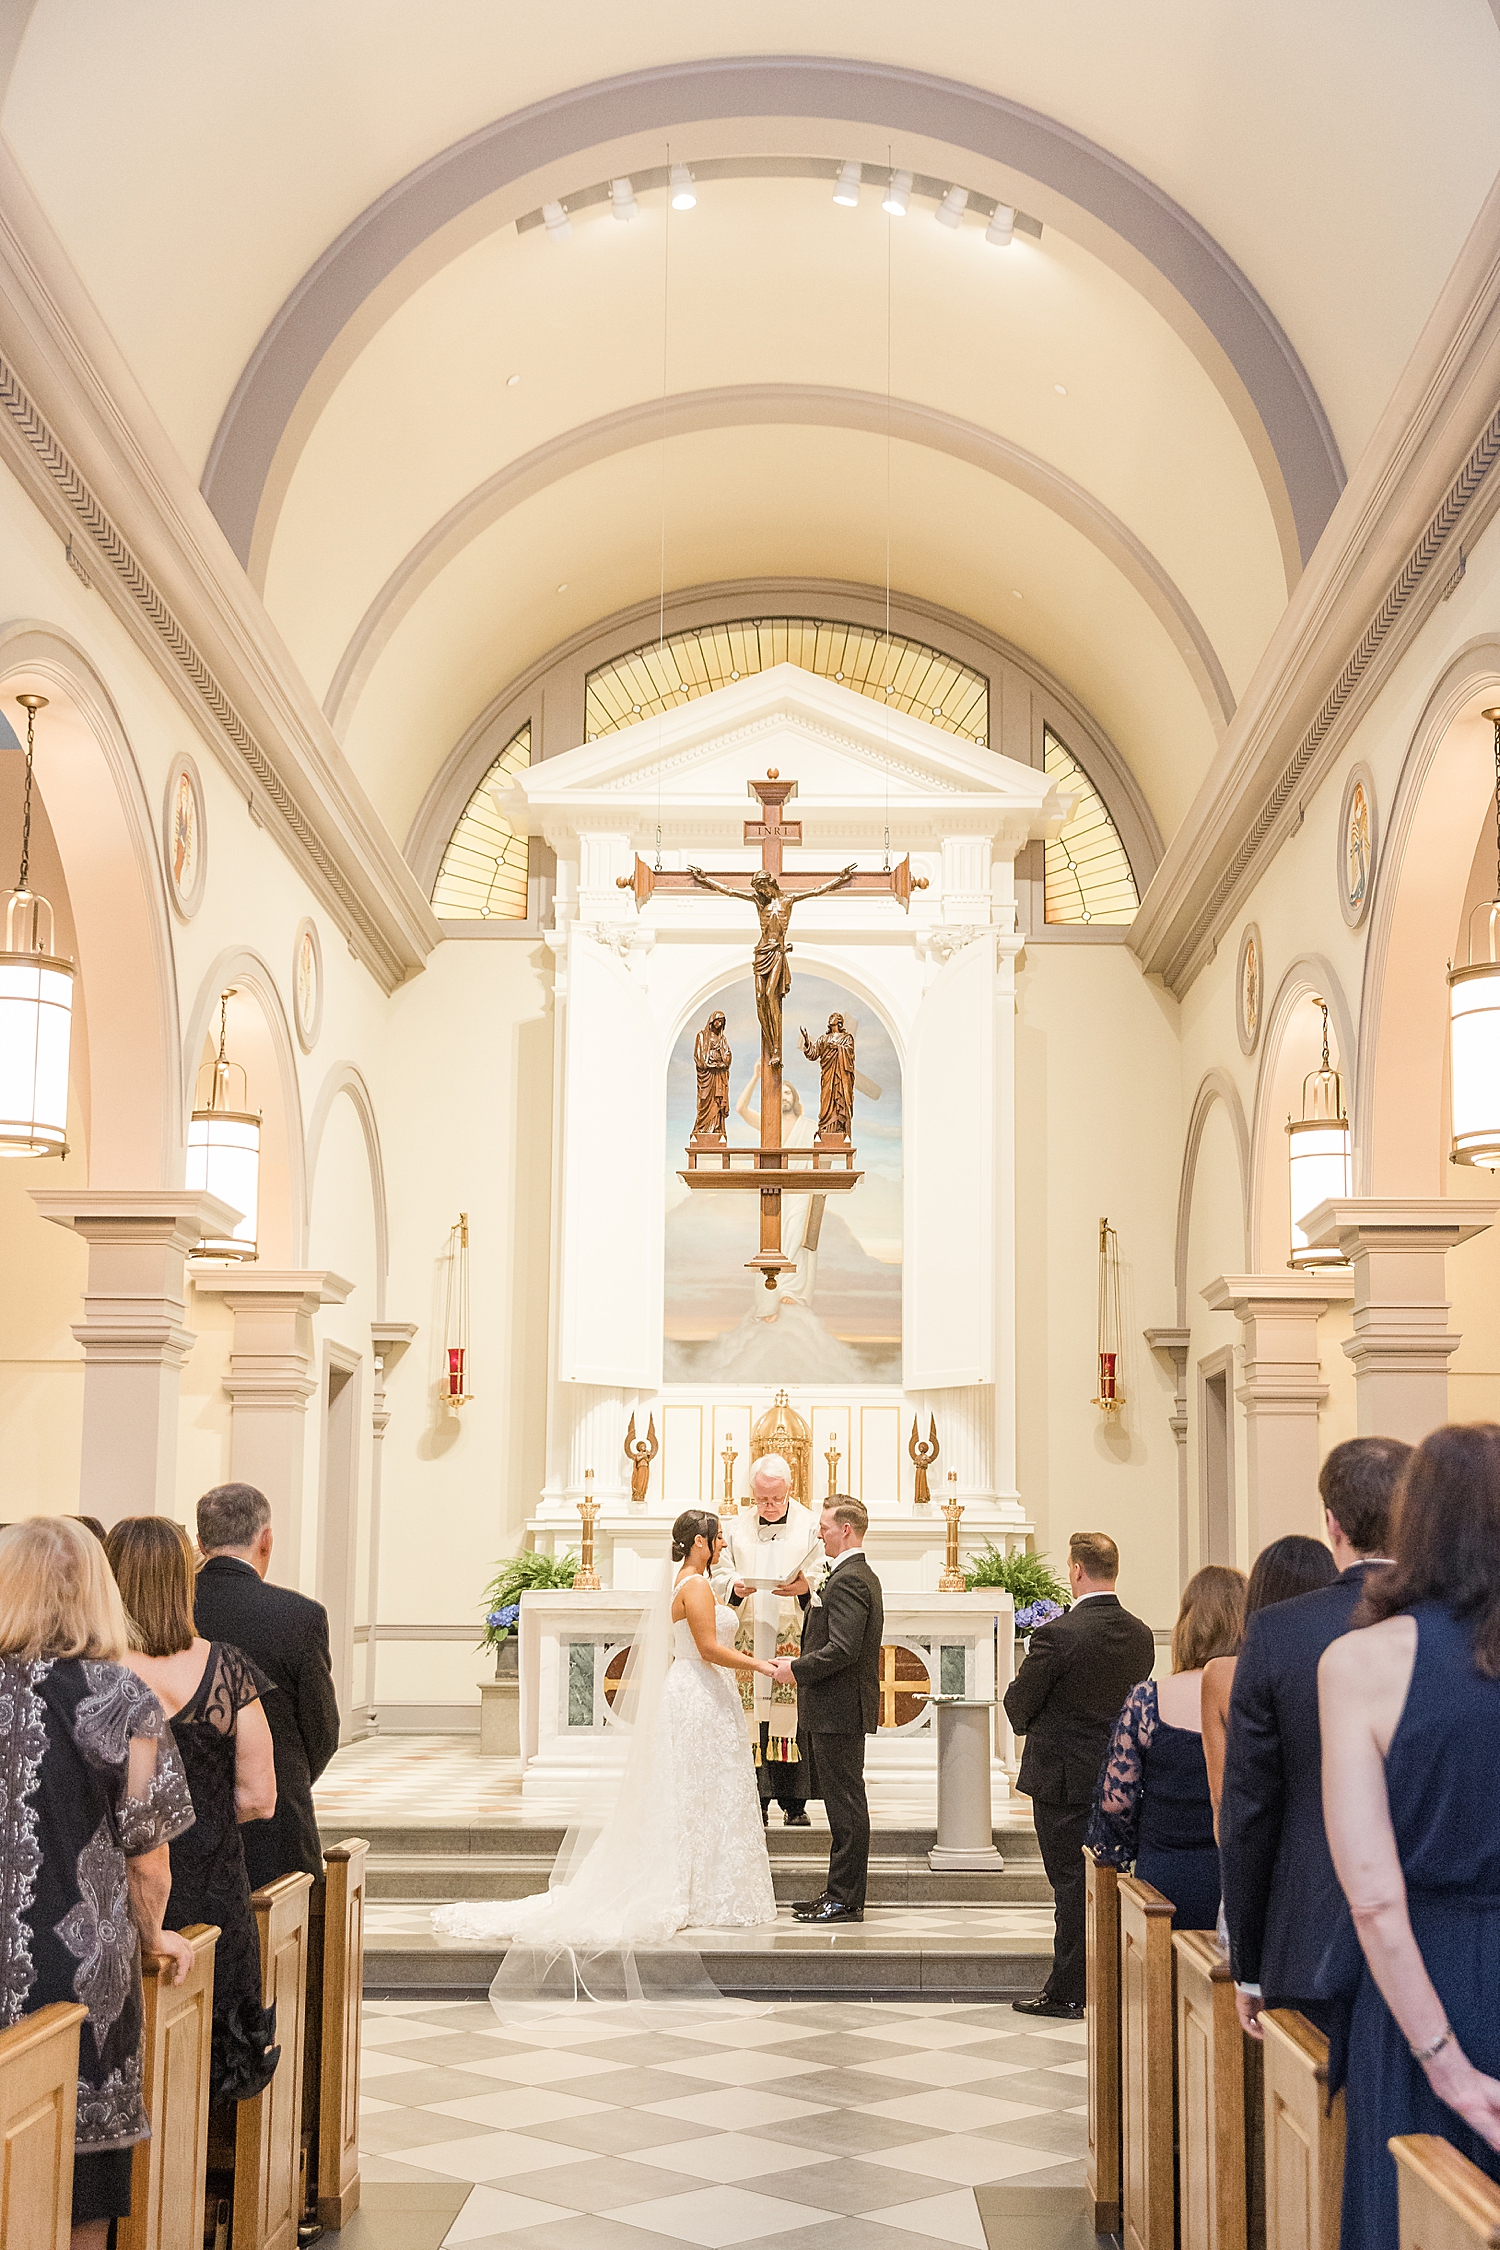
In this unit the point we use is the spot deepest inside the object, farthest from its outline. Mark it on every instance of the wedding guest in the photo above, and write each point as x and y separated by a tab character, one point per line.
1410	1712
1152	1805
286	1636
1282	1904
212	1695
1288	1567
95	1794
1064	1699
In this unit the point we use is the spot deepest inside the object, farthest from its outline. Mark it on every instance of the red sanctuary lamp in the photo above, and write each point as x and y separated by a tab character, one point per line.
455	1390
1111	1398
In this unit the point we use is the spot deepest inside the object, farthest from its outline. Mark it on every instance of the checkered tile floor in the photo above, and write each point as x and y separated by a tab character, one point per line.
845	2126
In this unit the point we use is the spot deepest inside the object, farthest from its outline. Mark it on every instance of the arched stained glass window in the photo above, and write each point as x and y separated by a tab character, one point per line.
483	875
1088	874
904	675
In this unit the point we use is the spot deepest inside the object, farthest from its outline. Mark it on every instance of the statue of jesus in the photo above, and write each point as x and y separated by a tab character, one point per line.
773	976
835	1052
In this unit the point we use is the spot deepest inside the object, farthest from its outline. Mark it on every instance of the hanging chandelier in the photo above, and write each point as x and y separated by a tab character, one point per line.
1474	1016
36	1004
1317	1155
223	1152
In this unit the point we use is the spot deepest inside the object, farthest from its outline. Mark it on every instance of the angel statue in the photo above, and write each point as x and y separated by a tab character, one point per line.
641	1452
711	1060
835	1053
773	976
924	1451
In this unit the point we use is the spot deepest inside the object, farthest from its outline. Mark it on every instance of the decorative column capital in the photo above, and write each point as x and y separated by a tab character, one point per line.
253	1288
171	1219
1279	1315
1361	1224
1172	1345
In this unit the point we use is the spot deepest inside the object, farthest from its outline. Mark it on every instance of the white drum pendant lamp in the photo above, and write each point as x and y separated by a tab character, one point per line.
1474	1026
1318	1155
36	1004
223	1153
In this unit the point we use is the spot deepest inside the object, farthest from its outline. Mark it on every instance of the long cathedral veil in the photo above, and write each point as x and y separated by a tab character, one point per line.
603	1933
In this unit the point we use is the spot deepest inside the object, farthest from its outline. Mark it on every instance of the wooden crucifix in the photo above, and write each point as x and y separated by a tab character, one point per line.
773	893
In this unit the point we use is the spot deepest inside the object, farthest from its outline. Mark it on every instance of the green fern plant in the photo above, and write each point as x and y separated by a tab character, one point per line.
518	1575
1026	1578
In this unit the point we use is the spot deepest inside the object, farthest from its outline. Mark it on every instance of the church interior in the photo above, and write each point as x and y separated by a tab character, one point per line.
476	493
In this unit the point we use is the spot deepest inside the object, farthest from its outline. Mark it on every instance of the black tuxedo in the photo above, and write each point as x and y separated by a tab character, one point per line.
287	1636
1282	1900
1065	1700
838	1704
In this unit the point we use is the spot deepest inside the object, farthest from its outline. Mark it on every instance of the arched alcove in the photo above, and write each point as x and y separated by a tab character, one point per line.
1291	1046
259	1038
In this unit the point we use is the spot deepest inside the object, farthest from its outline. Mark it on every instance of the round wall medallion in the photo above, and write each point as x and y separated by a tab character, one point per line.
1356	846
1249	984
185	837
307	985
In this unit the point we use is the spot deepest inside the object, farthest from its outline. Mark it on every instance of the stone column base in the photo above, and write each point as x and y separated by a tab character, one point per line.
500	1718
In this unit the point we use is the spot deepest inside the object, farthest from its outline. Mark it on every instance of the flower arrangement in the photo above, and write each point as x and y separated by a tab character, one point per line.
1032	1614
518	1575
1031	1582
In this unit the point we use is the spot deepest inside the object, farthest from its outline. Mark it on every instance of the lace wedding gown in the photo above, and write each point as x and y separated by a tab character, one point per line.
683	1846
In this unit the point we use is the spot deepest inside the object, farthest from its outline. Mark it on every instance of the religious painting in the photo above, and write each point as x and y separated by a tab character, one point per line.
1356	846
185	837
1249	983
837	1318
307	985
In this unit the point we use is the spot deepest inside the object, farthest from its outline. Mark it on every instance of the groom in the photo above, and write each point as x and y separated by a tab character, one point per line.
837	1678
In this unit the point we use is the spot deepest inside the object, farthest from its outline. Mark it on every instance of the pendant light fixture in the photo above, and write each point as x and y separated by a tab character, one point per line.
456	1390
223	1153
1317	1155
1474	1015
36	1004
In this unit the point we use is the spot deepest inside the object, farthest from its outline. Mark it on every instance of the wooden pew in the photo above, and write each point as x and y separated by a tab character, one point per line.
1147	2039
38	2117
1447	2203
170	2170
1102	1934
1304	2137
268	2129
336	2153
1217	2144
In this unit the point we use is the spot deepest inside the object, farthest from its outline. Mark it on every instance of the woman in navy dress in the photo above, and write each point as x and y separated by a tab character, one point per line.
1410	1713
1152	1804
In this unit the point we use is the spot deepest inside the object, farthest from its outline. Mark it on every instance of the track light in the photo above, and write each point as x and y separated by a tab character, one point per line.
1002	226
683	196
897	195
846	187
950	211
622	196
555	219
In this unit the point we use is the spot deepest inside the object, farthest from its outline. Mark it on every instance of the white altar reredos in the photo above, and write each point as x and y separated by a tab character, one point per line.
937	981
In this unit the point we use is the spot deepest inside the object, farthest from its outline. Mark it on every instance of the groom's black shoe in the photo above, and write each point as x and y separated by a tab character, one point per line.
797	1819
829	1910
802	1907
1069	2011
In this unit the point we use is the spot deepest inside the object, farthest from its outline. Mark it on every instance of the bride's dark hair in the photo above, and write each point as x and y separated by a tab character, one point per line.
691	1525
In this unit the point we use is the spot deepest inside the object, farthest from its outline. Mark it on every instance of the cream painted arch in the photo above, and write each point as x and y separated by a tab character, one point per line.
1216	1086
651	422
1426	852
249	975
1309	974
345	1080
486	181
106	831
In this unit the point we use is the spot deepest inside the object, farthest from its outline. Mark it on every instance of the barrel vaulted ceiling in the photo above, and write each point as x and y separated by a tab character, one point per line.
1113	445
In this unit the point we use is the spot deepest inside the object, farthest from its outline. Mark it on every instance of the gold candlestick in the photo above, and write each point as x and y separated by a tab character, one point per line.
952	1580
833	1457
729	1506
586	1578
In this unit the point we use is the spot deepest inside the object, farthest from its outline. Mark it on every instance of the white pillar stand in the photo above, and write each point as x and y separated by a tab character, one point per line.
1283	1390
965	1817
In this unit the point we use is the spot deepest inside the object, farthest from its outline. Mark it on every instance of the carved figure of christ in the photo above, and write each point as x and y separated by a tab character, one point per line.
773	975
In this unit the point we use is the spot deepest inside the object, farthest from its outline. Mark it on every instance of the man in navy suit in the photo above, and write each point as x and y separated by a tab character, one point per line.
1282	1900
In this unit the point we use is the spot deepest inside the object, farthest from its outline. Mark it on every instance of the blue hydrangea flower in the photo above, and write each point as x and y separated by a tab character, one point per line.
1037	1613
501	1620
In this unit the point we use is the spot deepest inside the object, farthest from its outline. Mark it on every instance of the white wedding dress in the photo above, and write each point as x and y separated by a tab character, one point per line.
681	1847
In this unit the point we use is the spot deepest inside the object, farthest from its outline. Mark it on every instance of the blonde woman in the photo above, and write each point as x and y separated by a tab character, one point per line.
94	1794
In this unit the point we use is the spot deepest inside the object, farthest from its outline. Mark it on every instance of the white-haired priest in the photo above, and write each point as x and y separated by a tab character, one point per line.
762	1572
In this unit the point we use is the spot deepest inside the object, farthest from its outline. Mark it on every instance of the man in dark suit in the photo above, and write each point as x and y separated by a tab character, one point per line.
1282	1900
1065	1700
837	1678
287	1636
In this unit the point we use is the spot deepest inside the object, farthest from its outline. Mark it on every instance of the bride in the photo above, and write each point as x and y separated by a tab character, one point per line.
682	1845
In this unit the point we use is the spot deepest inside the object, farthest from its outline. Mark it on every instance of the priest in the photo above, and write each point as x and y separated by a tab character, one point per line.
771	1546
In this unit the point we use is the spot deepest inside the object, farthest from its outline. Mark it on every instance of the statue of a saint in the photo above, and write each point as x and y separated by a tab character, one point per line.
711	1059
773	976
924	1451
835	1053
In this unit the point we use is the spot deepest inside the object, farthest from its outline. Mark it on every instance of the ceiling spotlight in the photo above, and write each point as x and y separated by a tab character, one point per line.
683	196
562	589
511	382
622	195
1002	226
846	186
950	211
555	219
897	195
1061	389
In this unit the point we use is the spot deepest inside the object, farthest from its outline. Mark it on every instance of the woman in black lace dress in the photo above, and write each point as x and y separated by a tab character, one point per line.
212	1695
